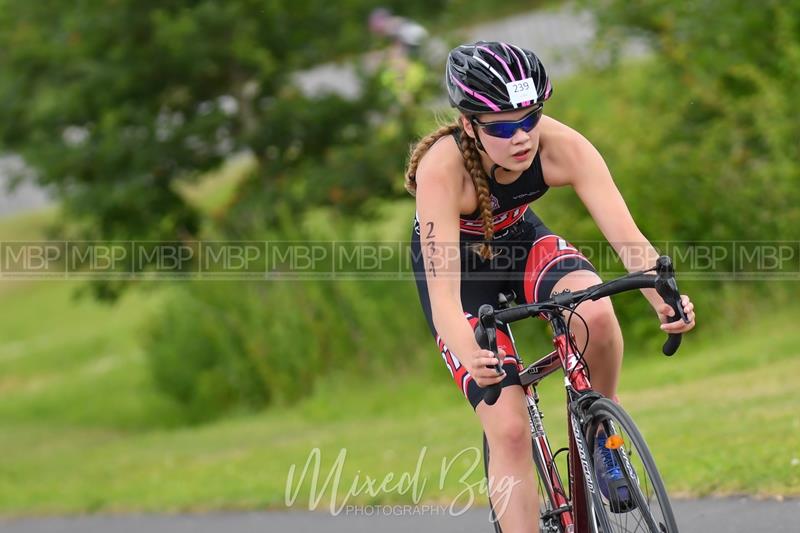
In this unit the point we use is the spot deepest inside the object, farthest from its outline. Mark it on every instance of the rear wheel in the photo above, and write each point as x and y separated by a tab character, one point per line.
642	504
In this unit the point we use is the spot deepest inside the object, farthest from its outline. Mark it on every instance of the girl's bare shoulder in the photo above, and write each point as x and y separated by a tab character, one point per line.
442	162
561	150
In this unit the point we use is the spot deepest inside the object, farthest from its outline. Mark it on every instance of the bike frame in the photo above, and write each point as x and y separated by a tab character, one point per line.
571	512
575	514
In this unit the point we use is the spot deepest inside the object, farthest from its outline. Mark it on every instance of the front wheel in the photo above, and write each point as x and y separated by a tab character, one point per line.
631	496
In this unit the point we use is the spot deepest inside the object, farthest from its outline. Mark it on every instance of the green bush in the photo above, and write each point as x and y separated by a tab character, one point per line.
701	140
226	346
708	142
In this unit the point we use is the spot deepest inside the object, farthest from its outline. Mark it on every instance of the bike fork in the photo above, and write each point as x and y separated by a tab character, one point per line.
585	493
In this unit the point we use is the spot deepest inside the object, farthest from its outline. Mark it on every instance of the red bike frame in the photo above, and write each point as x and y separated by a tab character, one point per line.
572	512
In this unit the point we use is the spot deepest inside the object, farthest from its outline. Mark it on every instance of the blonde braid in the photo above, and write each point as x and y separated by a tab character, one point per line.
419	150
472	162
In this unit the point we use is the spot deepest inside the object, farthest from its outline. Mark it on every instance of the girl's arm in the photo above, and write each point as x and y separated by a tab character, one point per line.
574	161
438	193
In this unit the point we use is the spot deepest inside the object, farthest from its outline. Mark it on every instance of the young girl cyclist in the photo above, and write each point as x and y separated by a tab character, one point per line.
474	236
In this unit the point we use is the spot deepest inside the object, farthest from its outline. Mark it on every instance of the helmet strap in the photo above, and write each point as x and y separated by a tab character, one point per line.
482	149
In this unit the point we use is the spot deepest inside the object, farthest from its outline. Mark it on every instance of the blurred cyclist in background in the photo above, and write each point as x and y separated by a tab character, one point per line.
406	35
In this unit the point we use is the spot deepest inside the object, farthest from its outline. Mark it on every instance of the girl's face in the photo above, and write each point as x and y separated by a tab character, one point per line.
504	136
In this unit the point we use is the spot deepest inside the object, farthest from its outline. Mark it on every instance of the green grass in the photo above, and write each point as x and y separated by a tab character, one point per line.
82	430
725	419
70	361
211	193
29	225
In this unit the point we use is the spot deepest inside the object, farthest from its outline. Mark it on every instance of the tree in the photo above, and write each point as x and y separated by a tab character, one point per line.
111	101
726	74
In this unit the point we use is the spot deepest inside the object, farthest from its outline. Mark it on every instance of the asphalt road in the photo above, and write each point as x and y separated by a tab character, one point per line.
731	515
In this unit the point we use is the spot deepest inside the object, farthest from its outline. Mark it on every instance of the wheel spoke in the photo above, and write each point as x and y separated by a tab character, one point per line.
644	506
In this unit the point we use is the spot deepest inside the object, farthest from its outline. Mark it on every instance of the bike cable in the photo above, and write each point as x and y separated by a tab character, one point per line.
573	312
578	352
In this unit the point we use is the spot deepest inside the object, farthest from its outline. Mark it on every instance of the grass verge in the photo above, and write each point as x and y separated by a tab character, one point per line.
82	430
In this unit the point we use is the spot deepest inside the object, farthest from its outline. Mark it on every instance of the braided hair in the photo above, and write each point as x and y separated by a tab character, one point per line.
472	162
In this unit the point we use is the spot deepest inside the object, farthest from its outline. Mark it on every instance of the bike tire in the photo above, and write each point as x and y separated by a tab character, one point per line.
652	512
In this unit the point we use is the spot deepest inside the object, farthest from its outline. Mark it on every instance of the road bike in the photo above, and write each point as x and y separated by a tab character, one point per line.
643	505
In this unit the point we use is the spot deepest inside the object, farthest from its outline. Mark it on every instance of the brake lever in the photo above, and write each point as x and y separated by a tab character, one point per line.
667	287
486	335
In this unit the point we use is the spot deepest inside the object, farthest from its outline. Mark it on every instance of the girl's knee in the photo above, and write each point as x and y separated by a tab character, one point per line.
509	433
601	321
